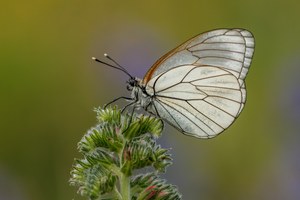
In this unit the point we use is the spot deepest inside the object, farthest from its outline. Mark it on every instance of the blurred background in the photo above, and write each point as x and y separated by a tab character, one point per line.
49	86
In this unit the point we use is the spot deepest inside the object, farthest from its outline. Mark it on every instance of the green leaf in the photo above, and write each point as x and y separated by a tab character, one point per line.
144	124
150	186
109	115
104	135
93	179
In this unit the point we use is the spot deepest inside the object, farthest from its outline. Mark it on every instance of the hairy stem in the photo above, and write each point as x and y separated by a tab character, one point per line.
125	187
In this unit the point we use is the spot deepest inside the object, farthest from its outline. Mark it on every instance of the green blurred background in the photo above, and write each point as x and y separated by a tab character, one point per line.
49	86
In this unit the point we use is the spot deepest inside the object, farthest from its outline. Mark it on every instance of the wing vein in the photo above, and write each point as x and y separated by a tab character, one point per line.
162	105
190	119
215	87
206	117
219	57
217	50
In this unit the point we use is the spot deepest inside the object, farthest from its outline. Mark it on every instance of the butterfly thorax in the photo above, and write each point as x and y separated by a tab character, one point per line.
138	92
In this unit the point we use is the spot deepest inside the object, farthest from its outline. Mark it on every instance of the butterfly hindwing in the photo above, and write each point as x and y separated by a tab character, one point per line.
199	86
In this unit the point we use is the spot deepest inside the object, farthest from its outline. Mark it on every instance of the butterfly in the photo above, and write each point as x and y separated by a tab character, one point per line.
198	87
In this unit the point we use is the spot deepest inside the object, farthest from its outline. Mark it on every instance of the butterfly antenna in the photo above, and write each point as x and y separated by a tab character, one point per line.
113	66
121	67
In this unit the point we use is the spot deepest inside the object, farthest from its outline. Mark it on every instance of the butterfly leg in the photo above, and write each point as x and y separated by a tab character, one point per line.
128	105
126	98
131	116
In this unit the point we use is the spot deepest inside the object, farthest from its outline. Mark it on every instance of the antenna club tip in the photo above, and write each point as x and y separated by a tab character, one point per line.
94	58
105	54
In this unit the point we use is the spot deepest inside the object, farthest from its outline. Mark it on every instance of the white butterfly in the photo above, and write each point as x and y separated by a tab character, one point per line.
199	86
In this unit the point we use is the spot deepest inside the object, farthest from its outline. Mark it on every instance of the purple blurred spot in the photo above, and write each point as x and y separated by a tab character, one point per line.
289	87
9	187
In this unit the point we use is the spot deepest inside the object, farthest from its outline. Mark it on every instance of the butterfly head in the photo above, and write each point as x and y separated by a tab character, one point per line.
133	82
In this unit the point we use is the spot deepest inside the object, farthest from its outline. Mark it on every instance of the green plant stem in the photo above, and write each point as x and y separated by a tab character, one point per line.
117	193
124	179
125	187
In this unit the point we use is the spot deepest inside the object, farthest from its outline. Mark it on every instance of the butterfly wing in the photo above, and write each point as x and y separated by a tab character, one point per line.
199	86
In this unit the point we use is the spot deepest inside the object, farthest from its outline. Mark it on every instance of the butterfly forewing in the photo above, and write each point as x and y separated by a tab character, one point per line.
199	86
